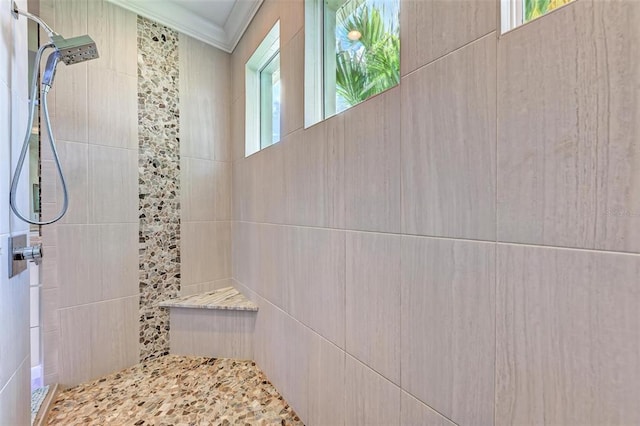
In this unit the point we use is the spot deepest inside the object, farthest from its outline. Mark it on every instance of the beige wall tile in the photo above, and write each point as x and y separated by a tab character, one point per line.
205	252
241	188
291	18
49	265
246	255
19	124
449	145
270	344
314	175
568	129
70	122
71	17
296	389
6	37
118	251
222	190
371	399
50	302
373	301
48	181
77	266
429	29
51	353
448	326
238	127
212	333
51	379
5	149
100	262
186	290
204	101
326	383
198	189
15	398
269	185
98	339
113	110
238	61
315	282
115	31
113	185
74	158
372	164
272	259
292	84
415	413
567	341
14	317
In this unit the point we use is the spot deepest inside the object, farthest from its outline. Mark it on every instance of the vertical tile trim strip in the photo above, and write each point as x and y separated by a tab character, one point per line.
159	181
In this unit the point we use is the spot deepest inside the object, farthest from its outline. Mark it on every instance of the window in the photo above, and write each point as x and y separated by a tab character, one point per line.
353	53
518	12
263	94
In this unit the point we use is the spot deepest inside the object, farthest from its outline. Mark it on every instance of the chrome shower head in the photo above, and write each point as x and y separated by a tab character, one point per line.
75	50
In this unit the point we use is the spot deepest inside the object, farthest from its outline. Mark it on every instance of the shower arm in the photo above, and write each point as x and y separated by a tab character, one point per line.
16	12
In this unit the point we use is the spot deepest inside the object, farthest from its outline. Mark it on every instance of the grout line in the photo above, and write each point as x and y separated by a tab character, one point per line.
60	309
14	374
317	333
421	67
402	226
427	405
436	237
495	251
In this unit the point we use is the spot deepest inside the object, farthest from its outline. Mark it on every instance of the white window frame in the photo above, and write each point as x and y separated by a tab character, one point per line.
511	14
319	48
255	101
313	62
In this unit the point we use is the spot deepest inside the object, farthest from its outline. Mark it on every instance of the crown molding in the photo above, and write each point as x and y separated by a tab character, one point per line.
189	23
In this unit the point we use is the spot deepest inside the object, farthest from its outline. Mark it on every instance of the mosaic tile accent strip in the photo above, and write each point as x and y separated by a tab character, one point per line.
176	390
227	298
159	180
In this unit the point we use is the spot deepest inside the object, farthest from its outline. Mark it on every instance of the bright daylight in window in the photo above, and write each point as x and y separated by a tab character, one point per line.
352	53
518	12
263	94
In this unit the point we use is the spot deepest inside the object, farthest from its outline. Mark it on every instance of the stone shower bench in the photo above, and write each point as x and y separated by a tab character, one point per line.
217	324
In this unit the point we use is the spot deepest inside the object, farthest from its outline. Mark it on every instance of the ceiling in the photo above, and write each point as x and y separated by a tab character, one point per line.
219	23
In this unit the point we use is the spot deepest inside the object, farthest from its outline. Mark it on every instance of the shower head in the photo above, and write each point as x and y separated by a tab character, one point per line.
75	50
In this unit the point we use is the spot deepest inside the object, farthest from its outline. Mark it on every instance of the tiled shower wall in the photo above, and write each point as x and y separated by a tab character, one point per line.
15	365
92	317
462	248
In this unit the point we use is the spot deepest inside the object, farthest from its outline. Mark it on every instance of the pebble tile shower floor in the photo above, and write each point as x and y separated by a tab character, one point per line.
176	390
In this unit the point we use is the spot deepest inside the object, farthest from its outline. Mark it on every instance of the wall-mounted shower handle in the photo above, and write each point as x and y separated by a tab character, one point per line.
32	253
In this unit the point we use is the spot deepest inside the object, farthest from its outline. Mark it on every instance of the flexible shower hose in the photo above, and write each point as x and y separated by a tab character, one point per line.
25	146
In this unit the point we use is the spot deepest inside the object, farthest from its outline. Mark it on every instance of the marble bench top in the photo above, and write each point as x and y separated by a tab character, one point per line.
225	298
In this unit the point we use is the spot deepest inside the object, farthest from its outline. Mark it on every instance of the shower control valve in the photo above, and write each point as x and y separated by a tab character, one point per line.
32	253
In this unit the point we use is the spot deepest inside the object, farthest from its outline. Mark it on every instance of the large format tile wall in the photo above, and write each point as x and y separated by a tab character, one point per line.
205	165
92	317
462	248
90	268
15	366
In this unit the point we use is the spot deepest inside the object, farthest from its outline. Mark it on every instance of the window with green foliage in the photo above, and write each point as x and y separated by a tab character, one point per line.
262	92
535	8
352	53
517	12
